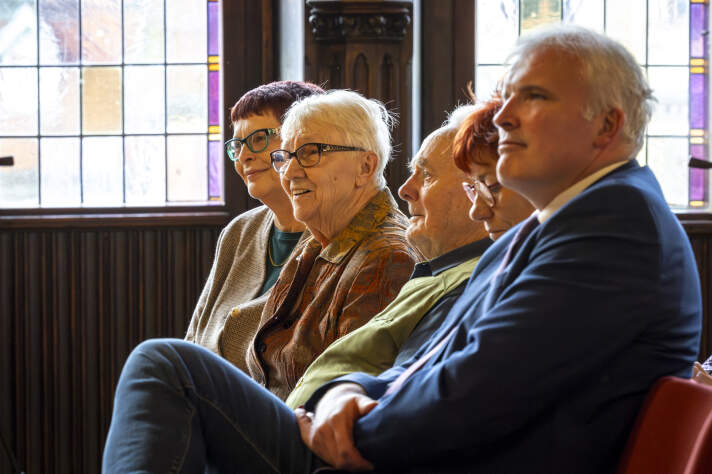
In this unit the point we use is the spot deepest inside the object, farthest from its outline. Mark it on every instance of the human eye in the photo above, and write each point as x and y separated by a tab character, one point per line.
258	138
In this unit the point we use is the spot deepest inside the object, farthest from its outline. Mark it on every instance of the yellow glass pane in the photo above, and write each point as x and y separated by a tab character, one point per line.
101	100
535	13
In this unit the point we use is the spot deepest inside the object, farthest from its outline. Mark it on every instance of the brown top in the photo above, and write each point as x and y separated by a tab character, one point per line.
351	280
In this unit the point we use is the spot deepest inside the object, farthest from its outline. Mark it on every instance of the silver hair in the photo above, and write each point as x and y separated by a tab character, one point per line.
359	121
458	115
613	76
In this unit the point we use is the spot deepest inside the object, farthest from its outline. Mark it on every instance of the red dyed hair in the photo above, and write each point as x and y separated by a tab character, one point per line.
477	135
275	98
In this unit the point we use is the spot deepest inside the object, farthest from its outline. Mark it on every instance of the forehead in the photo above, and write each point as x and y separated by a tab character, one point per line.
311	132
549	68
244	127
435	151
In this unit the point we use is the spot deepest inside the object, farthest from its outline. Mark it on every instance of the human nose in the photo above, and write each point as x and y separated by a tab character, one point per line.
291	168
408	191
480	211
244	155
505	118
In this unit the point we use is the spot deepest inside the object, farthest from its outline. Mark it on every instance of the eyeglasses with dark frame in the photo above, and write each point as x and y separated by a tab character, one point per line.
256	142
485	192
307	155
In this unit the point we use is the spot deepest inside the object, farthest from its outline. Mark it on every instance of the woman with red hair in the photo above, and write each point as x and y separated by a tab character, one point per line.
475	153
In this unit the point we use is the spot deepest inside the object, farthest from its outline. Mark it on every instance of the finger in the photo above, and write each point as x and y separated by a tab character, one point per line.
305	425
348	456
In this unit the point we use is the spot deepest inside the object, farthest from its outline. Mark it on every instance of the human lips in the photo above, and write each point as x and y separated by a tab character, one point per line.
510	144
253	172
296	192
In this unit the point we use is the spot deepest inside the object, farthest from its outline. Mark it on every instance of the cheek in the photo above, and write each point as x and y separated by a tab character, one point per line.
238	169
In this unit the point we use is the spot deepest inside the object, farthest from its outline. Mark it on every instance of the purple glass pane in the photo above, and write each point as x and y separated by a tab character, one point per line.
214	175
214	98
698	101
697	185
213	29
698	28
697	176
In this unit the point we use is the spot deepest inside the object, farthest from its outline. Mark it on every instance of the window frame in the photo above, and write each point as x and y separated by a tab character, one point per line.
247	40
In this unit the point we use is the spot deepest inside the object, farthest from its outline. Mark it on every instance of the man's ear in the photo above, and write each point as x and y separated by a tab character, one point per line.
611	127
367	168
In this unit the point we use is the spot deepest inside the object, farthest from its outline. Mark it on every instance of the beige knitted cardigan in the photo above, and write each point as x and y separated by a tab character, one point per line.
231	292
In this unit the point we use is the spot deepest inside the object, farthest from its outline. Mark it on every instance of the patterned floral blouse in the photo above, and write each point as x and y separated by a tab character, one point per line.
353	278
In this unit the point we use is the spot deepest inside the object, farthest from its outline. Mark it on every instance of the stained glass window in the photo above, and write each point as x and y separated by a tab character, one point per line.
669	40
110	102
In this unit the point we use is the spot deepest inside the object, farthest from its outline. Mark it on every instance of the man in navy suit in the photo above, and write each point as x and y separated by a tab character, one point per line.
541	365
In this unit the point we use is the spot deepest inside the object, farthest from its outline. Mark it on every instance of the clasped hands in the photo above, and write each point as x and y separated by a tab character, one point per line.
329	431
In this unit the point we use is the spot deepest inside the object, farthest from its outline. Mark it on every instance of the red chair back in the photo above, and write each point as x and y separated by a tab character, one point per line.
673	432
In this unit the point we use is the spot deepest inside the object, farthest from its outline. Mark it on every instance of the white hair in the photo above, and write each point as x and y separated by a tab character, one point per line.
458	115
448	129
613	76
359	121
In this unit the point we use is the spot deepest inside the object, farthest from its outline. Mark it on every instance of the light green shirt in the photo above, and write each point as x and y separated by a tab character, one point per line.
374	346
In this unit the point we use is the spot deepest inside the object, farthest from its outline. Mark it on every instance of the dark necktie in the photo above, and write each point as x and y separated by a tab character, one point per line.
527	227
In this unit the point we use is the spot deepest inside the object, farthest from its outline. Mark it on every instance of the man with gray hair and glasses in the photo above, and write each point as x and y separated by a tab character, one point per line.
542	364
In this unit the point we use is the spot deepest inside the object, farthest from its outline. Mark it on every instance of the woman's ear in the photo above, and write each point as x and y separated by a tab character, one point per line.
367	168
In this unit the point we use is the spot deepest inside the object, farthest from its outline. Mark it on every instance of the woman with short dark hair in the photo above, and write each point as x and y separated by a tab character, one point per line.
254	246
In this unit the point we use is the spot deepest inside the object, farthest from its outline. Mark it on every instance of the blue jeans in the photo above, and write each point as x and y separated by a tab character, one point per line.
181	408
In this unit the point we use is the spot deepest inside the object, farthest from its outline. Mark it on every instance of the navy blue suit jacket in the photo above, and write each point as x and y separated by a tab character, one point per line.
553	356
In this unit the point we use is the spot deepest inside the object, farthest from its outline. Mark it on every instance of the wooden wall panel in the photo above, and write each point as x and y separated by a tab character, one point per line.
73	303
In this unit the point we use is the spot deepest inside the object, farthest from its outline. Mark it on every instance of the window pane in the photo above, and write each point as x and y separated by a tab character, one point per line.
187	168
536	13
59	101
670	86
187	97
487	79
625	22
143	99
59	31
668	39
101	31
667	158
18	101
143	31
145	170
186	31
586	13
18	184
18	32
497	29
102	171
101	100
60	172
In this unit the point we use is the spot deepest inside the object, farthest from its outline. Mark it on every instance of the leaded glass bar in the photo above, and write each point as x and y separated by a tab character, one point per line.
698	100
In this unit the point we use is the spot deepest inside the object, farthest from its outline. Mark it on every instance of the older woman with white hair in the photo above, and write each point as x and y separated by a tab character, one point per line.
335	149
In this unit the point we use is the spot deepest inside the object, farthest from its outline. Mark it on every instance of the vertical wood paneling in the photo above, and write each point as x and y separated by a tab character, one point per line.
73	305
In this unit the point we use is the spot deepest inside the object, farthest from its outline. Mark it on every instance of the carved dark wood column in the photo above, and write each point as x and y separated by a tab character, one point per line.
366	46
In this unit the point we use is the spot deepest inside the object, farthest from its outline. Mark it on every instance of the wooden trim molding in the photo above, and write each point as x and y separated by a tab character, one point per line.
358	21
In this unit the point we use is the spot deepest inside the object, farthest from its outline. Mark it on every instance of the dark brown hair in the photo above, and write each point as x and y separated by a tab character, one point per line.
477	135
275	98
